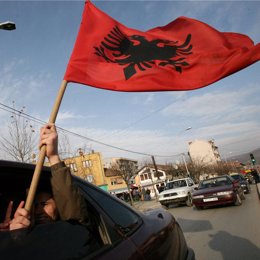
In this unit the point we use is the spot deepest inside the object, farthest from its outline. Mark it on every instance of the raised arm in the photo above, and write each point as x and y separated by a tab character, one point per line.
69	201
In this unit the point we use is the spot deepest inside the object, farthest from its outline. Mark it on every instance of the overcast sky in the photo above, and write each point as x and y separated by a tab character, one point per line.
34	59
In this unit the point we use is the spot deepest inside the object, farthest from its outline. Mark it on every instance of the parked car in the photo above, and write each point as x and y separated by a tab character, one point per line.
123	232
243	181
218	191
248	175
177	192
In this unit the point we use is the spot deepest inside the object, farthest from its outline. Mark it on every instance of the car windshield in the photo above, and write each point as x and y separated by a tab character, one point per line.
214	182
176	184
237	177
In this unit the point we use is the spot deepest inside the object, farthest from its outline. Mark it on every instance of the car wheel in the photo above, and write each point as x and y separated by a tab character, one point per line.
189	201
243	197
164	205
238	201
199	207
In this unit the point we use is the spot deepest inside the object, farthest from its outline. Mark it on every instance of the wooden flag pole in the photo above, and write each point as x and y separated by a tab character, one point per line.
40	162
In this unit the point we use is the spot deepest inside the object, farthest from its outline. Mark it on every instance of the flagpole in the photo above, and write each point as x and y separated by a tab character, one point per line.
40	162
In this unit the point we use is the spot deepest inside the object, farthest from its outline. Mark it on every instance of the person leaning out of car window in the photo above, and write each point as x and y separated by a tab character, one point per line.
64	202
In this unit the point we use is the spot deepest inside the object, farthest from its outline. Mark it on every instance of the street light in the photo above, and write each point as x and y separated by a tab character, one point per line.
184	130
7	26
183	154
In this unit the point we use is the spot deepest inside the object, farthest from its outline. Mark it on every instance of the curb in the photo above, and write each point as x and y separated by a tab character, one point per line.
258	189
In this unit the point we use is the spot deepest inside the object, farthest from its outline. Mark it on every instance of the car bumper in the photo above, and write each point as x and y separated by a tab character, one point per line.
214	200
176	200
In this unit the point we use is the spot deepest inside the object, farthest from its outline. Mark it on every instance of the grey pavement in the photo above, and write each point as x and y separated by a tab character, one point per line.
147	205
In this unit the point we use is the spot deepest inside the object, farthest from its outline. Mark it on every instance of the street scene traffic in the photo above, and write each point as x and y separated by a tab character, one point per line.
219	232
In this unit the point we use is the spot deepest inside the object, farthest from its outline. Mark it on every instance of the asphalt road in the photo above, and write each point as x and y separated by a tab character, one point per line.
228	233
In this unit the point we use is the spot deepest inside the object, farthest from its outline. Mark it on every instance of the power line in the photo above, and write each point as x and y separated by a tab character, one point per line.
138	121
34	119
39	121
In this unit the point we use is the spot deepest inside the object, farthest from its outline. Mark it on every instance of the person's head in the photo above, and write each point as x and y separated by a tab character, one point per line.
45	210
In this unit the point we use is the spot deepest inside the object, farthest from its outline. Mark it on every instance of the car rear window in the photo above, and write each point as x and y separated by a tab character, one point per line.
176	184
221	181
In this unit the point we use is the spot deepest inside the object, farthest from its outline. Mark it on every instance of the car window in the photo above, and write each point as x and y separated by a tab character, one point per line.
125	219
176	184
215	182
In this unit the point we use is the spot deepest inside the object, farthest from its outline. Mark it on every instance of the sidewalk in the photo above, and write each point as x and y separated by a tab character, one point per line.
258	189
147	205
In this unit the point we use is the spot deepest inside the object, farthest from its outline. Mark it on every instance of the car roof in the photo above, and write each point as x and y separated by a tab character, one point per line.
19	174
180	179
235	175
217	177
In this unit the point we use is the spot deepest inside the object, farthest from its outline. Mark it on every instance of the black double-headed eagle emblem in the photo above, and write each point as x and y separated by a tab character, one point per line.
135	52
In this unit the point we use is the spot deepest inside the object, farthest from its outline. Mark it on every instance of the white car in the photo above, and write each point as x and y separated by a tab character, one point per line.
178	191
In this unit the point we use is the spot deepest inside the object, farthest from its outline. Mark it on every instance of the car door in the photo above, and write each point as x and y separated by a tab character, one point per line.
127	234
114	221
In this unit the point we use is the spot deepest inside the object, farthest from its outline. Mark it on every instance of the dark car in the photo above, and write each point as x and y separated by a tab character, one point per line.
123	232
243	181
219	190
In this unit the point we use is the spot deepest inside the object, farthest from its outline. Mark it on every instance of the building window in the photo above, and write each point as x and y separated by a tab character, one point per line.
73	167
87	163
113	182
116	181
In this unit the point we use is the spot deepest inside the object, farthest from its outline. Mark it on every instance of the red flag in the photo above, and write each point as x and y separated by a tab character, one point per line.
186	54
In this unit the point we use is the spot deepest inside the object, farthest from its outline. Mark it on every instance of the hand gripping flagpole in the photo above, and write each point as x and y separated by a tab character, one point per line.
40	162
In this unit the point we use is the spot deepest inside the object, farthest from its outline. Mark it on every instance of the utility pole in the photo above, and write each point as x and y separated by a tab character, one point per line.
155	167
184	160
157	175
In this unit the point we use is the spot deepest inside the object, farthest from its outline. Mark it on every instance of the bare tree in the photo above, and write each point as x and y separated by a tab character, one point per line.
126	169
64	145
19	142
199	168
174	170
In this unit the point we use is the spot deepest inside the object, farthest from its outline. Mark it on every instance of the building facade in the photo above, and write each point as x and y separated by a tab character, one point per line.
88	167
115	182
148	178
117	170
205	152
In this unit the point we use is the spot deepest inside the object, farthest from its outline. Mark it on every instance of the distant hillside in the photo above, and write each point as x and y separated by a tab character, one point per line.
244	158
